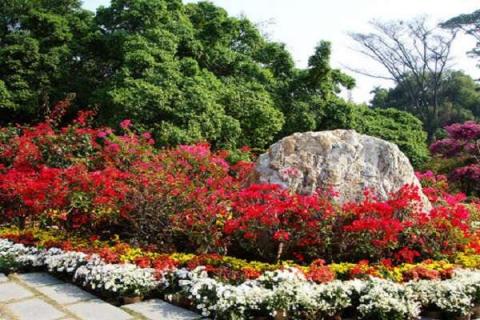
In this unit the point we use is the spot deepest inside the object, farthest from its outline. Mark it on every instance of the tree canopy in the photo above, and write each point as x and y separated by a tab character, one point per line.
458	98
470	24
187	72
415	56
39	54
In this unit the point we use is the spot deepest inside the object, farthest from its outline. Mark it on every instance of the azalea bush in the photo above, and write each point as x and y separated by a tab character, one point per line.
94	180
182	197
59	177
98	182
462	147
271	223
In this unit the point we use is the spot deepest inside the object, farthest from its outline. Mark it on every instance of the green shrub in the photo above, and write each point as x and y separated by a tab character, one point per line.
399	127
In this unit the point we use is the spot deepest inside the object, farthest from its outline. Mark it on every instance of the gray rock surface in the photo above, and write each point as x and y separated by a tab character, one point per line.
344	160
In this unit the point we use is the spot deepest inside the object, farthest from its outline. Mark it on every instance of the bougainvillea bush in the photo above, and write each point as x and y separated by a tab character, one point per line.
100	183
81	179
460	151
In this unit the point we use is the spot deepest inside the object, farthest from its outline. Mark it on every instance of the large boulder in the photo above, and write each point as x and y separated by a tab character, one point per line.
344	160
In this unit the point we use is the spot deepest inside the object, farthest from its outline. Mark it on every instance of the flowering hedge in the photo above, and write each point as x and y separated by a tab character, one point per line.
85	180
287	290
234	270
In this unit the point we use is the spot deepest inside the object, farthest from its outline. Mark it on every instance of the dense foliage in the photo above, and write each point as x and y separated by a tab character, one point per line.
190	199
41	55
458	99
185	72
399	127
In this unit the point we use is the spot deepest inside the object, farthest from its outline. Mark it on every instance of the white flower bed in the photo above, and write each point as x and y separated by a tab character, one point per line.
286	291
67	262
121	279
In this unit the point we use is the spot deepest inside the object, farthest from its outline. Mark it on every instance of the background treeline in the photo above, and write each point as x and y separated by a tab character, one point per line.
189	72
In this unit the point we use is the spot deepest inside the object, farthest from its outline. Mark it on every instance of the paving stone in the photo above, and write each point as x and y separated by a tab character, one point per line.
37	279
34	309
157	309
65	293
12	291
98	310
3	278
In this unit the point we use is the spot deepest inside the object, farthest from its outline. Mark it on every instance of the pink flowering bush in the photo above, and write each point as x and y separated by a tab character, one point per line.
462	145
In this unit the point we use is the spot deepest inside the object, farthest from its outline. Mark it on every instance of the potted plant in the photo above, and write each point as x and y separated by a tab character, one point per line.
179	299
281	315
132	299
125	281
134	291
432	313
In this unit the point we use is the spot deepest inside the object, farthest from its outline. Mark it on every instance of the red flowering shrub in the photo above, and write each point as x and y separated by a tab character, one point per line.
191	199
182	197
434	186
399	229
271	223
374	228
440	233
51	176
77	177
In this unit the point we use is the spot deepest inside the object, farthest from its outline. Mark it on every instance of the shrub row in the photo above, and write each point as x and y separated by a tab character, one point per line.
190	199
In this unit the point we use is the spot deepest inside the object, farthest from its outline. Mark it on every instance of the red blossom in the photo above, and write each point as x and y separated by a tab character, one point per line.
125	124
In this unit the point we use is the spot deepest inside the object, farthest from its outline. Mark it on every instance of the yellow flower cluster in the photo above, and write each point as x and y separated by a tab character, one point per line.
468	259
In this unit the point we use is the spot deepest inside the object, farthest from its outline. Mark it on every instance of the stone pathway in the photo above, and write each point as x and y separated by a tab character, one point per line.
39	296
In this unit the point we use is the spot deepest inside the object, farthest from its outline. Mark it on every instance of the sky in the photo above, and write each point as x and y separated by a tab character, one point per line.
301	24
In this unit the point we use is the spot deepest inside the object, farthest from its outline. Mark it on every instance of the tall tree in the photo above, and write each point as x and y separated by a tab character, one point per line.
39	54
192	72
189	72
414	56
470	24
458	98
311	92
186	72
